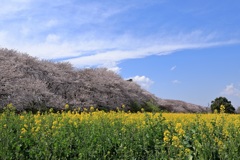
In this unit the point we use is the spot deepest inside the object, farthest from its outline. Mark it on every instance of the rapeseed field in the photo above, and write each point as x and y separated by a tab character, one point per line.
94	134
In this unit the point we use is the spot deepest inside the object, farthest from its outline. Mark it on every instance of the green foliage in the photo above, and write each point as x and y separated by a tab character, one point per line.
147	107
216	105
150	107
9	108
135	107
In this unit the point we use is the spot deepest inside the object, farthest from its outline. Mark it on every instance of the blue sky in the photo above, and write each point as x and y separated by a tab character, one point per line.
176	50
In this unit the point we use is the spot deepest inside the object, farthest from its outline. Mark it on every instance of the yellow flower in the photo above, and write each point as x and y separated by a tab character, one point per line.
91	109
175	138
66	106
166	133
222	109
37	129
21	117
166	139
23	131
51	110
220	144
178	126
187	151
5	125
55	122
181	132
216	139
175	141
25	125
37	121
179	129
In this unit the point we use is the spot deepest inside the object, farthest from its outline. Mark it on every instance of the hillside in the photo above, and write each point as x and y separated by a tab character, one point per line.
32	84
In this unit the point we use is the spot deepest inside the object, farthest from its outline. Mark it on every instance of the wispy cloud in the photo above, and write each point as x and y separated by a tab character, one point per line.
121	53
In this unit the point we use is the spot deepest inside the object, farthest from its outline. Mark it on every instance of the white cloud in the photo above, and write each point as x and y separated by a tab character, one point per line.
94	51
75	31
112	66
143	81
139	51
231	90
176	82
115	69
173	68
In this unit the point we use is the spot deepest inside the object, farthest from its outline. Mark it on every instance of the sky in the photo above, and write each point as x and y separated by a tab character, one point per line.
184	50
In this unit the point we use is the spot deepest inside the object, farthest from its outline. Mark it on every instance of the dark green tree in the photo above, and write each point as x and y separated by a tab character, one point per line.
216	104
